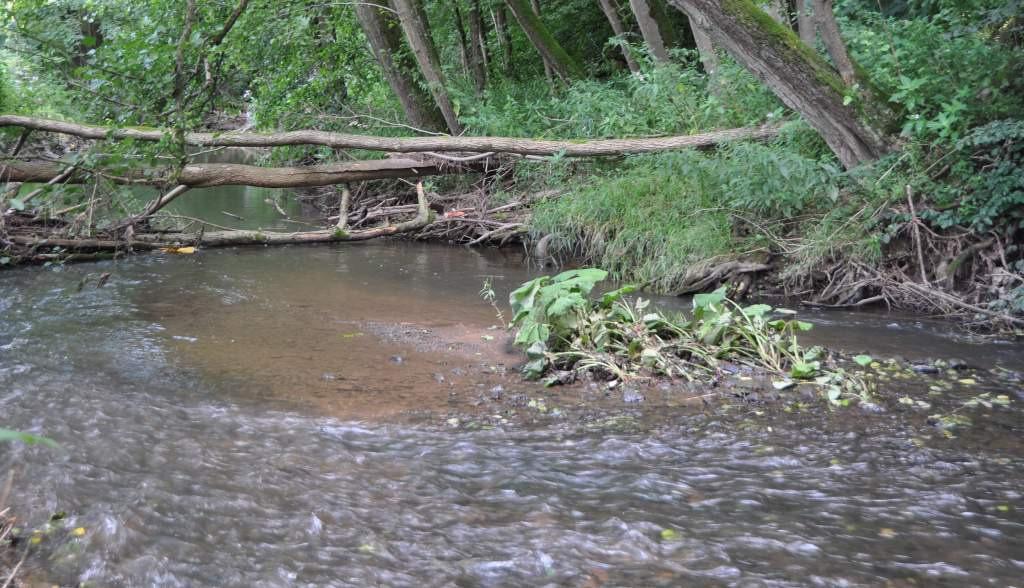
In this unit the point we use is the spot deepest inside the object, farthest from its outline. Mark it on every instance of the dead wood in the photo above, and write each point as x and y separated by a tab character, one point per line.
597	147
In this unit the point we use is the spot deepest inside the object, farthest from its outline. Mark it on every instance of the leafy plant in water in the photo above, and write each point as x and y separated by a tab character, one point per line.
547	309
561	328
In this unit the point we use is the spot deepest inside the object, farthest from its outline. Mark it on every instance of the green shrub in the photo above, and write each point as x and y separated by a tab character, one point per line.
946	76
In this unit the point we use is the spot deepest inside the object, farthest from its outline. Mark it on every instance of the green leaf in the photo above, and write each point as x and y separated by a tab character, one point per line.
804	370
709	298
863	360
27	438
17	204
833	394
522	297
534	369
610	297
532	333
757	310
565	304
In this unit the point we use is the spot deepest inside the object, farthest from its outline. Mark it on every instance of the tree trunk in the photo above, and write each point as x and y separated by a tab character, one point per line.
550	50
797	75
611	12
705	48
504	40
417	32
598	147
777	10
478	64
385	39
460	36
652	34
829	29
549	73
805	23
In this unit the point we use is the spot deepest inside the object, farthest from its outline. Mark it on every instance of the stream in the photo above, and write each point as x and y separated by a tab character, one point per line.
283	417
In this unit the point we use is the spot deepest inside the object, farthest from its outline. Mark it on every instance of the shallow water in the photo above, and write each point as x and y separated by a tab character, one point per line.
229	419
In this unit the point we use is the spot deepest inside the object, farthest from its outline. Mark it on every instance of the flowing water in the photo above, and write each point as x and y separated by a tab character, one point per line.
248	417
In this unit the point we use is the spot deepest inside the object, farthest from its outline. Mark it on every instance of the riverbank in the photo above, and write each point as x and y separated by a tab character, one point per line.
767	220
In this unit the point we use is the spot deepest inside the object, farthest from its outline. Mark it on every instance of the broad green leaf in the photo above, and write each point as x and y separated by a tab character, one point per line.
707	299
757	310
565	304
863	360
609	297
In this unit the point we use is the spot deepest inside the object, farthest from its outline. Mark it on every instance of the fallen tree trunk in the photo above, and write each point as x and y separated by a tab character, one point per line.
597	147
202	175
150	241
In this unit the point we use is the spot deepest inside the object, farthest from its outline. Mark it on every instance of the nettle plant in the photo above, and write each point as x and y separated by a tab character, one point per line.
563	329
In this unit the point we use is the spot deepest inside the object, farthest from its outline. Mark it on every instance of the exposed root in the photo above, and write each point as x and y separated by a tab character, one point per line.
738	273
967	276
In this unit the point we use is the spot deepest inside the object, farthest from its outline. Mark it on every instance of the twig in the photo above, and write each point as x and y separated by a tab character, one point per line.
915	224
14	571
466	159
862	302
491	233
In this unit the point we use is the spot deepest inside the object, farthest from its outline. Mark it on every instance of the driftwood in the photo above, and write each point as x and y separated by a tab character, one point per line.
597	147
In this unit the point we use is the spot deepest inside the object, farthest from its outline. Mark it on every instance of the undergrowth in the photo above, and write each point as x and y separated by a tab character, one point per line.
651	218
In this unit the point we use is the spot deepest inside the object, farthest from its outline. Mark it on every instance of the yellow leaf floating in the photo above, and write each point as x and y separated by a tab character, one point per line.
78	532
179	250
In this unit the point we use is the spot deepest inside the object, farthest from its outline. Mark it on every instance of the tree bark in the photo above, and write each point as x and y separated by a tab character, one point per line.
549	72
564	66
385	39
477	58
777	10
805	23
611	12
705	48
829	29
597	147
650	30
417	32
797	75
460	36
504	40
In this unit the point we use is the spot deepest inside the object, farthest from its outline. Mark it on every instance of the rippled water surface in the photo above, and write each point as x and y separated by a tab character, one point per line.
222	423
